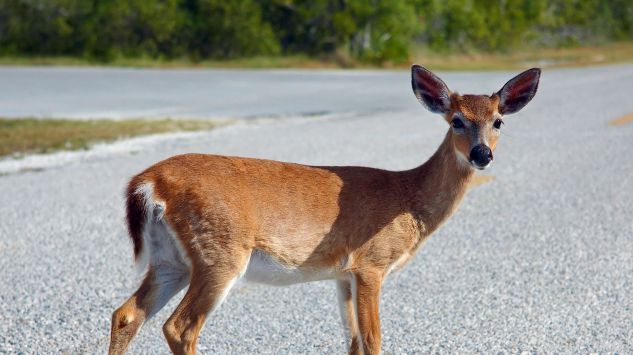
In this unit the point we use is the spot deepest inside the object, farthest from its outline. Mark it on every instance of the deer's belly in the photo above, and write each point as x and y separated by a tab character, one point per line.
263	268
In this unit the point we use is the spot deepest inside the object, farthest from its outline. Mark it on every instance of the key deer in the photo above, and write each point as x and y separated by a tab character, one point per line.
206	221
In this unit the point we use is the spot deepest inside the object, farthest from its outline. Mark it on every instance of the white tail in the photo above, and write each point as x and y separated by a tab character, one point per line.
207	220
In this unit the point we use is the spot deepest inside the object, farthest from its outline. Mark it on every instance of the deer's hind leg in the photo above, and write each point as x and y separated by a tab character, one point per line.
168	273
211	281
150	297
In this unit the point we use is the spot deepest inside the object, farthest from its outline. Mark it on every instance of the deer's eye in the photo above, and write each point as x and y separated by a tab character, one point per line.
498	123
457	123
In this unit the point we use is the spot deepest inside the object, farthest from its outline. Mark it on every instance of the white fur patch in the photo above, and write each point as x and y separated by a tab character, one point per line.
263	268
462	159
160	243
398	264
162	251
225	293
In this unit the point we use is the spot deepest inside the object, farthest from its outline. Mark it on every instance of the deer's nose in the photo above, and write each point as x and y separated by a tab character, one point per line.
481	155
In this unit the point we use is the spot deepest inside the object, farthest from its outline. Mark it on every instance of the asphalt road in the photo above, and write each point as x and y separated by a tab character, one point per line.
124	93
540	259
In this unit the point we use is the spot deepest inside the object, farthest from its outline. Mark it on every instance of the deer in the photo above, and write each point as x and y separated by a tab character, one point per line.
207	221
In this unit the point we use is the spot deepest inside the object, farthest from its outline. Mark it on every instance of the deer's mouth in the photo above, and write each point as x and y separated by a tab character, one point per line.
479	167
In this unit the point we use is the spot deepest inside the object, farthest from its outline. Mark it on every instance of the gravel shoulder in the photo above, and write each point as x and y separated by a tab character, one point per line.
538	259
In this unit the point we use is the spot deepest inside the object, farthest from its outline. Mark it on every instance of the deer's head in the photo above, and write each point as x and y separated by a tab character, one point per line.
475	120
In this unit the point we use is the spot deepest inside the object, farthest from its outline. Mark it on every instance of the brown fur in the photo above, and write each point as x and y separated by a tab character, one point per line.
361	222
477	108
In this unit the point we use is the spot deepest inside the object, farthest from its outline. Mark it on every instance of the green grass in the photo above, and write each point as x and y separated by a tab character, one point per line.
29	135
260	62
548	58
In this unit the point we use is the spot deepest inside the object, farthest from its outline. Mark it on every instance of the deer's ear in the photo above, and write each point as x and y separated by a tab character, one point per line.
517	92
430	90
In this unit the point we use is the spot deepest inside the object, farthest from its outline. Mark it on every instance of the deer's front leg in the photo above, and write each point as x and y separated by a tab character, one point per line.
367	294
348	315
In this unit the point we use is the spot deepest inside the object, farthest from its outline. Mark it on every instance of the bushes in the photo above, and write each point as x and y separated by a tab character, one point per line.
366	30
497	25
228	29
105	29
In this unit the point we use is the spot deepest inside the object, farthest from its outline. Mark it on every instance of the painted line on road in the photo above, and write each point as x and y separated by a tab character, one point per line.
480	180
622	120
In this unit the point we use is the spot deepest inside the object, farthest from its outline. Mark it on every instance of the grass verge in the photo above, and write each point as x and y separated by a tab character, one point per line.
545	58
29	135
260	62
548	57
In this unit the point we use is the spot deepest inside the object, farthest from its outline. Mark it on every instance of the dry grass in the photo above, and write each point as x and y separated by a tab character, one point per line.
251	63
548	58
480	180
622	120
29	135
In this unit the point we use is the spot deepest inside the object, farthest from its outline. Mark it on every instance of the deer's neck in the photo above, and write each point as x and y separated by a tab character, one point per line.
438	186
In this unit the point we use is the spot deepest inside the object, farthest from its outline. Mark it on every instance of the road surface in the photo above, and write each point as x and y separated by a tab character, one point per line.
539	259
124	93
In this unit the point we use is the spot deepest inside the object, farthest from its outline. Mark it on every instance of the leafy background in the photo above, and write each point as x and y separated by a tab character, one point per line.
361	30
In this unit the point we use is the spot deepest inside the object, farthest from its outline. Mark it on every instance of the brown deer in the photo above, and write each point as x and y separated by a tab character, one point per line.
207	221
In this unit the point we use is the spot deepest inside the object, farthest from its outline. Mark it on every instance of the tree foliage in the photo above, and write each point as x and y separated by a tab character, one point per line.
368	30
507	24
